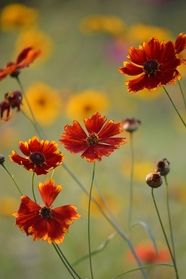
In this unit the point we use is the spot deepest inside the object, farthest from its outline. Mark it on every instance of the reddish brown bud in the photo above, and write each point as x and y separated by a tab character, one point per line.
154	179
163	166
131	124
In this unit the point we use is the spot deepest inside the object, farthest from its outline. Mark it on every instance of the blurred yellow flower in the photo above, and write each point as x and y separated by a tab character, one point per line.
86	103
17	16
8	206
113	201
140	32
45	102
37	40
101	23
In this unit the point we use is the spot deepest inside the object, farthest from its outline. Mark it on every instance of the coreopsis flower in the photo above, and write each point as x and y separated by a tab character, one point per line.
40	156
86	103
17	16
12	100
100	139
154	179
154	64
24	59
131	124
43	221
148	255
163	166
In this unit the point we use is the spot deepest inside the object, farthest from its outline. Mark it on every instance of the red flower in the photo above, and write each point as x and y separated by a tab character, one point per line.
41	156
45	222
24	59
147	254
154	63
100	140
12	100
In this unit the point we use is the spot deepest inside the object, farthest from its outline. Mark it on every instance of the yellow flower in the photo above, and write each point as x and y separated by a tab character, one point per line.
140	32
86	103
45	102
17	16
35	38
100	23
8	206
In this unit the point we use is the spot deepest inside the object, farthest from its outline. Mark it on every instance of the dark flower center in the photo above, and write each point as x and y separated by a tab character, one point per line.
151	67
37	158
45	212
92	139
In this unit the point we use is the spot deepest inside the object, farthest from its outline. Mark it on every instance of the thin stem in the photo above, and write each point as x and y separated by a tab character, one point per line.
170	223
131	181
115	226
12	179
34	122
174	106
65	259
33	191
89	237
62	259
164	233
184	101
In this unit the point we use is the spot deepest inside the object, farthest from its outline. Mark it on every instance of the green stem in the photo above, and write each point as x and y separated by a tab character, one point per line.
174	106
184	101
62	259
33	191
131	181
65	259
164	233
116	226
170	223
89	237
34	122
12	179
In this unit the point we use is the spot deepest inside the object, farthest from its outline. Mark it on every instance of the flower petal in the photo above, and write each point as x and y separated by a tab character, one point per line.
95	123
49	191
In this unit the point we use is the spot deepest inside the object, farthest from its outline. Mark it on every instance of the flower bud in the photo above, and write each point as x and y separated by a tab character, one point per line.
154	179
131	124
2	159
163	166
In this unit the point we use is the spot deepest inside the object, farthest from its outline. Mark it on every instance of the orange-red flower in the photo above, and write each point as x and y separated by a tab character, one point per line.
41	156
154	64
24	59
45	222
100	140
148	255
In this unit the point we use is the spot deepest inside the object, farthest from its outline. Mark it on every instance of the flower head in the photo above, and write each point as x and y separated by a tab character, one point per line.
154	179
45	222
163	166
11	100
154	63
24	59
148	255
41	156
99	141
131	124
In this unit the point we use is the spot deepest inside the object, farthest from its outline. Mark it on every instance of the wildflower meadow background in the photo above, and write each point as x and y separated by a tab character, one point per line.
83	43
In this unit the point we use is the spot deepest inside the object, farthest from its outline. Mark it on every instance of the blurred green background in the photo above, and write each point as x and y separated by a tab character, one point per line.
79	56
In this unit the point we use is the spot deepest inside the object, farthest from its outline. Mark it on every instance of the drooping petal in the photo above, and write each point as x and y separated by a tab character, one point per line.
49	191
130	69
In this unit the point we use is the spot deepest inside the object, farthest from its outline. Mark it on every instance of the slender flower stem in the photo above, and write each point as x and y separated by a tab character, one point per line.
65	261
164	233
131	181
89	205
170	223
183	96
62	259
34	122
33	191
174	106
116	226
12	179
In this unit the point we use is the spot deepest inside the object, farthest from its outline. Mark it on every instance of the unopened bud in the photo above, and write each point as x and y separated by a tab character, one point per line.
2	159
154	179
131	124
163	166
